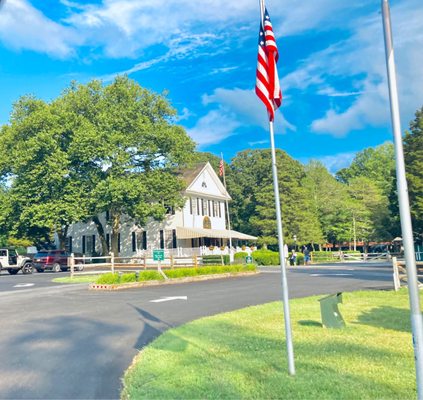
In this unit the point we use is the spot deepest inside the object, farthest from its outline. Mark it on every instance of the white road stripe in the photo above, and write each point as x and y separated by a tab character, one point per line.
169	299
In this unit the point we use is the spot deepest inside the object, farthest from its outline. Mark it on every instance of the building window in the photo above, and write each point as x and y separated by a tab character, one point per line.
215	208
107	216
198	206
161	239
193	206
168	239
89	244
220	209
210	208
204	204
144	240
83	244
93	248
134	242
108	240
174	239
68	244
118	242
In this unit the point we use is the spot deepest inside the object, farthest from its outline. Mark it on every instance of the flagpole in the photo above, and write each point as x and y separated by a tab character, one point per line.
282	260
404	206
227	212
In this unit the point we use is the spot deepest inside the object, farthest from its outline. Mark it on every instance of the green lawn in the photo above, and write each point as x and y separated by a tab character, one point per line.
241	355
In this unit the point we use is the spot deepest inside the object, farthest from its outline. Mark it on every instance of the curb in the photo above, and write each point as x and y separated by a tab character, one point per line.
135	285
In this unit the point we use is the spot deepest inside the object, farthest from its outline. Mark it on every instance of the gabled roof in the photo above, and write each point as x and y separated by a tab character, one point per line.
191	176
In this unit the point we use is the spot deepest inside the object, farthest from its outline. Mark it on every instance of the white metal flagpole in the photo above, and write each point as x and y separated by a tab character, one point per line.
282	259
404	206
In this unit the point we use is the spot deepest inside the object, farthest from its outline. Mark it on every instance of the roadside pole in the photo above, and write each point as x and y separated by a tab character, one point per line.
404	206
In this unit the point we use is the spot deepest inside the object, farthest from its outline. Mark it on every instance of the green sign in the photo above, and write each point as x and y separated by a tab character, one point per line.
249	259
158	255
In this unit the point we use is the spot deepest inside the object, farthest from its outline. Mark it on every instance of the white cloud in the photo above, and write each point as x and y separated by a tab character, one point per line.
334	162
214	127
360	60
233	109
24	27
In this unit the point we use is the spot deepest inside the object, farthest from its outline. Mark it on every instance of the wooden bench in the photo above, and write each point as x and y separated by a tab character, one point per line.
400	272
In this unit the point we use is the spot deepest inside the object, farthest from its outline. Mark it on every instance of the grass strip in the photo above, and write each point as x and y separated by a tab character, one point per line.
77	279
241	354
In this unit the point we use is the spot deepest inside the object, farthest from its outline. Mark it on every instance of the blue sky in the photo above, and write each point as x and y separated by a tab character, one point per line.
204	53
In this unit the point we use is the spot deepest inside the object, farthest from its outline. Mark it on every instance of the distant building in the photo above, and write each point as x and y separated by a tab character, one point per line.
200	227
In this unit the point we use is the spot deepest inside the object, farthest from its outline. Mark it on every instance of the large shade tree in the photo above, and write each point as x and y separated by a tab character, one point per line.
253	208
94	149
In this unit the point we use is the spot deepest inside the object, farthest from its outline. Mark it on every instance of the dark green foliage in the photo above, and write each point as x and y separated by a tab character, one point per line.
413	154
266	257
250	183
216	259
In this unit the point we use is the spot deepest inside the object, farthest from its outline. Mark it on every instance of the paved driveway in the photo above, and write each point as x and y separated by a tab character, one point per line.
65	342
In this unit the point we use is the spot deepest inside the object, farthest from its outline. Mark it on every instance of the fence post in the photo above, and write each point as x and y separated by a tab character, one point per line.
171	262
145	261
72	264
195	261
112	261
397	282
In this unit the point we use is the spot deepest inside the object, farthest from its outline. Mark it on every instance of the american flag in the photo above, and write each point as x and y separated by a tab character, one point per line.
267	81
221	167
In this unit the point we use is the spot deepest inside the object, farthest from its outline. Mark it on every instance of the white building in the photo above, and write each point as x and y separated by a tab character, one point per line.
200	227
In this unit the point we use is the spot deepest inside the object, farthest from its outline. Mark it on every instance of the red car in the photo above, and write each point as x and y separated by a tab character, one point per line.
55	260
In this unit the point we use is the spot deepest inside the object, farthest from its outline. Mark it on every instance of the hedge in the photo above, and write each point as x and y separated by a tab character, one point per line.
268	257
216	259
116	278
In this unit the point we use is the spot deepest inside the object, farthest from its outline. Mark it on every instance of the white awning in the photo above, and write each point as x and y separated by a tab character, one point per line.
191	233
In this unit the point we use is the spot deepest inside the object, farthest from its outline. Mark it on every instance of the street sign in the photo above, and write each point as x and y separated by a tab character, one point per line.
158	255
249	260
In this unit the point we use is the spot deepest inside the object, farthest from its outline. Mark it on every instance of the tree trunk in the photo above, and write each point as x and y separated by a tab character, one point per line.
115	218
61	234
102	236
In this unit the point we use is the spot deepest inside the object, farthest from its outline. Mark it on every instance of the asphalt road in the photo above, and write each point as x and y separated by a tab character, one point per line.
65	342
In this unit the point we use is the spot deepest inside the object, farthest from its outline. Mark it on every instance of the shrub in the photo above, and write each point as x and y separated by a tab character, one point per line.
131	277
216	259
319	256
266	257
150	276
108	279
300	258
240	255
208	270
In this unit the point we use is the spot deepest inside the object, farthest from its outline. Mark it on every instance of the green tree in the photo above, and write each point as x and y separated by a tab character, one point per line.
413	154
253	207
43	196
126	152
375	163
330	201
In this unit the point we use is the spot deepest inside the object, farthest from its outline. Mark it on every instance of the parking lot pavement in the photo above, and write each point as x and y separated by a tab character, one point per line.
21	282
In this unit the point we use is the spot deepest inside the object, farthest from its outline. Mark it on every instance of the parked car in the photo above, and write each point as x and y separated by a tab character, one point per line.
12	262
55	260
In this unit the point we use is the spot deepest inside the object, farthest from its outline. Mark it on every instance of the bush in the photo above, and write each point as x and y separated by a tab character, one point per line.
126	278
216	259
208	270
150	276
265	257
300	258
240	255
319	256
108	279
